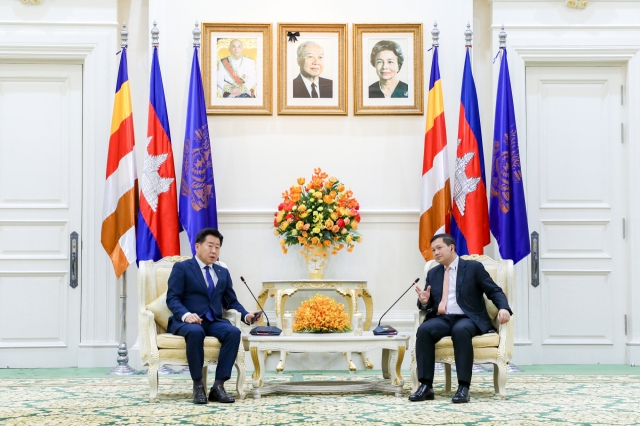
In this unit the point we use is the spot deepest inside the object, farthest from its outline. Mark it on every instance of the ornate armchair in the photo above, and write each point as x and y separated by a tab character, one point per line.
157	347
494	348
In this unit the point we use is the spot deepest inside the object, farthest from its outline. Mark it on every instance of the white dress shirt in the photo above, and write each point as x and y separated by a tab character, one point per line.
307	83
452	302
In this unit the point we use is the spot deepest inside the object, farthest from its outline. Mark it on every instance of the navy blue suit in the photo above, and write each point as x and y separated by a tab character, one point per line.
188	292
471	283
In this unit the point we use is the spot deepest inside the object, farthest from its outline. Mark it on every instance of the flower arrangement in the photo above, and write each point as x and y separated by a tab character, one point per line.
321	314
320	214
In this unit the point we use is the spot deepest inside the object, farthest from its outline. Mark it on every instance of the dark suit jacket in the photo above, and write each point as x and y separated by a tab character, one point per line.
188	292
401	90
324	85
472	282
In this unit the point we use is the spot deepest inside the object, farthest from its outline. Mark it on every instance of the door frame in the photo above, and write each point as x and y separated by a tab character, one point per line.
528	53
92	46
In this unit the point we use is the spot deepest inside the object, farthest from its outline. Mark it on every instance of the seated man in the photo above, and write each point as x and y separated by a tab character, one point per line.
455	307
197	294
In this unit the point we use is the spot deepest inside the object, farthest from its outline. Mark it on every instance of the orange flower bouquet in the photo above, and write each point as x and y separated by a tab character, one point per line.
322	213
321	314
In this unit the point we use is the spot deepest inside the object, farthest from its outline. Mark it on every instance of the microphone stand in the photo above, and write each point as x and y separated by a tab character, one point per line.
262	330
387	330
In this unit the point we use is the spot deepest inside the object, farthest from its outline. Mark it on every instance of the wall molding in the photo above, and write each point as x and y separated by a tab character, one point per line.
368	216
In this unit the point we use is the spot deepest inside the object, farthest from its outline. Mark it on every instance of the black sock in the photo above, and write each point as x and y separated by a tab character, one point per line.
463	383
218	382
197	382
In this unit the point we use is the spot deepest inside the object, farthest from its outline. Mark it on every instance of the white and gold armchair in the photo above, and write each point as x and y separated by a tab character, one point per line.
157	347
494	348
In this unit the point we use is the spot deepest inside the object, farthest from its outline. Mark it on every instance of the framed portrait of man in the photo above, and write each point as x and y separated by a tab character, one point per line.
237	68
388	69
312	69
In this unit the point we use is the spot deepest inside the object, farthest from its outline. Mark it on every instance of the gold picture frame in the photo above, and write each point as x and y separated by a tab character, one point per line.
324	90
397	48
240	84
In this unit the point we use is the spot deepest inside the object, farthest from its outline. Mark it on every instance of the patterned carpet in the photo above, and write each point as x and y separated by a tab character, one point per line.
533	400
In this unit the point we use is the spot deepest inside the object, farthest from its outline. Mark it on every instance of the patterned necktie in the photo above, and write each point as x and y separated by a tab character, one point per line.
314	93
442	308
210	289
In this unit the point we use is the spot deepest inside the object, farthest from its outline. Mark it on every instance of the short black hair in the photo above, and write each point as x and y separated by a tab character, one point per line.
383	45
446	238
204	233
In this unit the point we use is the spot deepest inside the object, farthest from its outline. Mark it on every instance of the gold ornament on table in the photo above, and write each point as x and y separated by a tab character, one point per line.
321	216
321	314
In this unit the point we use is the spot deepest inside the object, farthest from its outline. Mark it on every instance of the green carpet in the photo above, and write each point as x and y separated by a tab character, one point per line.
88	397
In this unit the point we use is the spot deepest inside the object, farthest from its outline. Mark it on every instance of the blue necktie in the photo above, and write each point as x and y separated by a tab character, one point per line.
209	313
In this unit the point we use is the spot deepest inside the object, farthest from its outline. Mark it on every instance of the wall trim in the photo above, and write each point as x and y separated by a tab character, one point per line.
368	216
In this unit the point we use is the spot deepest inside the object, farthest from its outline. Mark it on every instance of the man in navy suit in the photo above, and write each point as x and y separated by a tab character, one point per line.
309	84
455	307
198	292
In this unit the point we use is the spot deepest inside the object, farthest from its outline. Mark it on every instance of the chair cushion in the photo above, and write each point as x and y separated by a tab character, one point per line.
161	312
171	341
489	340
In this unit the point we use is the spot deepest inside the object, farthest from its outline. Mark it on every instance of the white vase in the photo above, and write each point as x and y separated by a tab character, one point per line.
316	259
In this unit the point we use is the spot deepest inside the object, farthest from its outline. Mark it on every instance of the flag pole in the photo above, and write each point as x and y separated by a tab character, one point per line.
123	368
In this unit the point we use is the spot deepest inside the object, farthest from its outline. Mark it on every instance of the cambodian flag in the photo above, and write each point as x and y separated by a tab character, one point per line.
158	226
197	190
507	208
470	219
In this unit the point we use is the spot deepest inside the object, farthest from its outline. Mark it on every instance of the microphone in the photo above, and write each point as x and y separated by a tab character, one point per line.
262	330
387	330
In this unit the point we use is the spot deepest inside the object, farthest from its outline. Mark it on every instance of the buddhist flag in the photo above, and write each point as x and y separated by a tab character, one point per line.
507	208
120	207
158	226
435	210
470	218
197	190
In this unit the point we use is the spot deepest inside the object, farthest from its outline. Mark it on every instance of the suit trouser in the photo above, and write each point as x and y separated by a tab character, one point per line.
461	329
225	332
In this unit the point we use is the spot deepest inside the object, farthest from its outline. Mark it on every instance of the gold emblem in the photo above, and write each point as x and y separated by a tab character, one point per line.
506	169
198	185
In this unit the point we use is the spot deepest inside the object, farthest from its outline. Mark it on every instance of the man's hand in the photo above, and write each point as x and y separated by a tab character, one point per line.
193	319
423	296
503	316
253	317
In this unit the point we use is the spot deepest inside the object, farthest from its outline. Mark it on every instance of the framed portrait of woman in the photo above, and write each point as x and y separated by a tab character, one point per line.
388	69
312	69
236	62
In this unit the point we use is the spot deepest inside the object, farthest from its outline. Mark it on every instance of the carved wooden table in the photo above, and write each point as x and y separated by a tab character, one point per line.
350	289
393	350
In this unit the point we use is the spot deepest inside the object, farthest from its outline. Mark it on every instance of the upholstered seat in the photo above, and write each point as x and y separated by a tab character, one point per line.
157	347
494	348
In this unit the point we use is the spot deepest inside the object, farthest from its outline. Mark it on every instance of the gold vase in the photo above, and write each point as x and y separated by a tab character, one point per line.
316	259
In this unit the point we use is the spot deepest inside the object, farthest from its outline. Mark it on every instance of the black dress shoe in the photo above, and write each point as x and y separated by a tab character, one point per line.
218	394
462	395
199	397
423	393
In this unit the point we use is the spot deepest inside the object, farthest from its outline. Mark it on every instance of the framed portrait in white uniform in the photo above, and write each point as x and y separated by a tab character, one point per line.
237	67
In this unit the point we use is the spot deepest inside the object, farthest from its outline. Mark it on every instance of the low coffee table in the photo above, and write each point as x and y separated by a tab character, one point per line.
393	350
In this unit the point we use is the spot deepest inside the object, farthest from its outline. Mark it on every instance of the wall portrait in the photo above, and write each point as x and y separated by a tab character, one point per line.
237	68
312	69
388	69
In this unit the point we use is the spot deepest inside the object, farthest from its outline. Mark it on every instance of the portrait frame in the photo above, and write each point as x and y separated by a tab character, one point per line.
333	39
364	37
259	38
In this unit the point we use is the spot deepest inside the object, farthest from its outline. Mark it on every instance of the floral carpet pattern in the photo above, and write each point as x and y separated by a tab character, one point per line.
533	400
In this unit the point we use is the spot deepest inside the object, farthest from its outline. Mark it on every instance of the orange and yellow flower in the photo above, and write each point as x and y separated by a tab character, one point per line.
321	314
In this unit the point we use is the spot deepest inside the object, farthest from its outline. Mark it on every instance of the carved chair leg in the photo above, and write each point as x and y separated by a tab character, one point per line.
447	377
242	373
502	379
496	387
153	382
205	370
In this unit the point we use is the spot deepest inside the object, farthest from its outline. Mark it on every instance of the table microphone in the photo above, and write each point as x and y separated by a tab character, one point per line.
262	330
387	330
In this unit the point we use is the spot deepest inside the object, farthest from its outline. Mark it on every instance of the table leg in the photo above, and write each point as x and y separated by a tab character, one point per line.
283	361
350	365
368	303
385	364
257	377
368	364
394	366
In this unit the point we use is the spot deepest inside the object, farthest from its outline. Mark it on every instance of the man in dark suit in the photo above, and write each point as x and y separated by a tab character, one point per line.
309	84
198	292
455	307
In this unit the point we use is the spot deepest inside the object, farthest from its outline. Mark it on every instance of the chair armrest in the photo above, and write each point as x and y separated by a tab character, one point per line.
418	318
505	347
233	316
148	336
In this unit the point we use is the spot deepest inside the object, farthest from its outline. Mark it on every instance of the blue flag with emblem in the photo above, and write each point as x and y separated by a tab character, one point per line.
197	190
507	208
